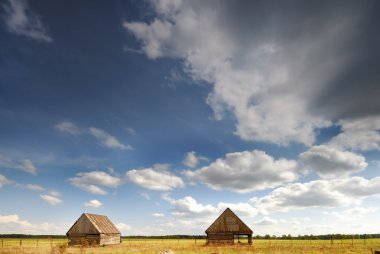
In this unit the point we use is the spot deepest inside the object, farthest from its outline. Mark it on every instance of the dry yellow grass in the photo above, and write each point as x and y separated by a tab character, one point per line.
174	246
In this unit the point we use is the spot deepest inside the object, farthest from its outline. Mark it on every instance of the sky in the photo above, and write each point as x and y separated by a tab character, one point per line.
161	114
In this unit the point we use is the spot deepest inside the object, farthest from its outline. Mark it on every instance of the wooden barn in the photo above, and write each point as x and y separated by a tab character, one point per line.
226	227
93	229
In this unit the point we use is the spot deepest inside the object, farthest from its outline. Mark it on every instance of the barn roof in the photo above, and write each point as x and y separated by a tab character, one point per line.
101	223
228	221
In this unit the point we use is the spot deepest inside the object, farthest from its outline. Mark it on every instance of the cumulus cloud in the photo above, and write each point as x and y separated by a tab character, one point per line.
266	221
20	19
266	67
94	181
319	193
102	136
123	228
157	177
93	203
52	200
329	162
4	181
12	224
191	159
246	171
190	208
362	134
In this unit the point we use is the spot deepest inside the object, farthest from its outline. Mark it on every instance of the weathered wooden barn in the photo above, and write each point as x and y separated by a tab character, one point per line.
93	229
225	227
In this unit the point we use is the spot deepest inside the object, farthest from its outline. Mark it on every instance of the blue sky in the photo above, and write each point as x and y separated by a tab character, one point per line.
162	114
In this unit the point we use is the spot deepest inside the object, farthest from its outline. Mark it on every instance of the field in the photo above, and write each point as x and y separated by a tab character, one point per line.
182	246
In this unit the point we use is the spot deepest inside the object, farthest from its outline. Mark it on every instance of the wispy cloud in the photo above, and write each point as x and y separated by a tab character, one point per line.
35	187
52	200
4	181
17	163
102	136
69	127
107	140
28	166
22	20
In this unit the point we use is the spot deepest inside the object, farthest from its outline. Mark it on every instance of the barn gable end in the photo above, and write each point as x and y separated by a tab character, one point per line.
225	227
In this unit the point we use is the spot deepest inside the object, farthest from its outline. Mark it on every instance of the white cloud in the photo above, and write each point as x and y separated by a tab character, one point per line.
69	127
158	215
361	134
124	228
266	221
156	178
28	166
246	171
191	159
145	195
53	200
35	187
102	136
4	181
319	193
189	207
12	224
329	162
263	82
93	203
107	140
21	20
94	181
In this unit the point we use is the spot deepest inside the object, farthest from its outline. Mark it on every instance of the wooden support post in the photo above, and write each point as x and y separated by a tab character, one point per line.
20	242
331	238
2	243
37	242
352	240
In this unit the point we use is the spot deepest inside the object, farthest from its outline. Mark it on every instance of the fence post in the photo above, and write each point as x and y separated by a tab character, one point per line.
20	242
2	243
352	240
37	242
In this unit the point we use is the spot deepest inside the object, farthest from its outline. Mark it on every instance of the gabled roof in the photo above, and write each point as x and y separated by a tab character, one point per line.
101	224
228	221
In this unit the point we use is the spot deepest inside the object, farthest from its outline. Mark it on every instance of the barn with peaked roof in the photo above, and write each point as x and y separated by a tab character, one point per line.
226	227
93	229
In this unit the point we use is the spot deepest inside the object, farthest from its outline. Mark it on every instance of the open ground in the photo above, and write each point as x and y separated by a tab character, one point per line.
189	246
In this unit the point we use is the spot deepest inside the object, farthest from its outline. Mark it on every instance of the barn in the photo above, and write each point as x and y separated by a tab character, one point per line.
93	229
225	227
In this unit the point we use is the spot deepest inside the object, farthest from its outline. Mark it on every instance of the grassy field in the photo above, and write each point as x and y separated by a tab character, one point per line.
189	246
